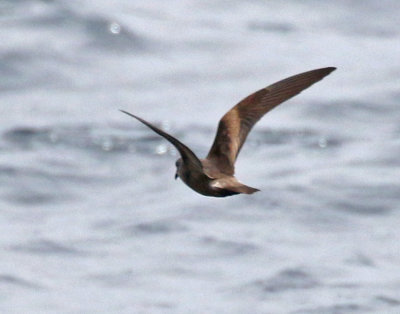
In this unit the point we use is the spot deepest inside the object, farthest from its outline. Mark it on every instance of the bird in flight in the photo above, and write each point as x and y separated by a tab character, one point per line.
214	175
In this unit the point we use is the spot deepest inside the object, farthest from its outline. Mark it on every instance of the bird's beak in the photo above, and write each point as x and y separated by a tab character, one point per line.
176	176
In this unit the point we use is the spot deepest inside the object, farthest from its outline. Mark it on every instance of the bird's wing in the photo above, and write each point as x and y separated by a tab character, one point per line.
188	157
236	124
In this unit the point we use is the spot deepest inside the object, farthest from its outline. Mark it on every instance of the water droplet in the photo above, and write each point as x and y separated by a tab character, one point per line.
322	142
107	145
115	28
161	149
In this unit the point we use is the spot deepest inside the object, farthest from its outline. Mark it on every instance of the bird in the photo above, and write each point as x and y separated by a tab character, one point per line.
215	175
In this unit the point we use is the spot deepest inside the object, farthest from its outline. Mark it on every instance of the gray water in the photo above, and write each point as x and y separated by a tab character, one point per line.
91	218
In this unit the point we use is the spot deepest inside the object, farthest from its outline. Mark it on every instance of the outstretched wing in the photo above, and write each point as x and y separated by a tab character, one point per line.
236	124
188	157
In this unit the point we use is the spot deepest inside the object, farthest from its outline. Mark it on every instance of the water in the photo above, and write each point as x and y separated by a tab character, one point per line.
91	218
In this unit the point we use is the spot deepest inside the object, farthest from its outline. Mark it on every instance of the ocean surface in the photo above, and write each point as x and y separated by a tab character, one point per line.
91	218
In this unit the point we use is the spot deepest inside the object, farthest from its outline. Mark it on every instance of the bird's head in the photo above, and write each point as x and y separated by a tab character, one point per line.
178	165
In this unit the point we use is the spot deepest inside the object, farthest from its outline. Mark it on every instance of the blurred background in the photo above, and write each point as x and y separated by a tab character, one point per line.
91	218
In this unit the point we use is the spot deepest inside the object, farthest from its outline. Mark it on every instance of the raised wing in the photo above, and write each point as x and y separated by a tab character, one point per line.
188	157
236	124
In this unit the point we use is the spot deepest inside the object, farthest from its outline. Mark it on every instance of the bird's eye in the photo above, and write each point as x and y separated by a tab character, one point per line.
177	163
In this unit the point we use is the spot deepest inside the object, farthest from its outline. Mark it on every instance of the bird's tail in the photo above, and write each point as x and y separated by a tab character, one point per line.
243	189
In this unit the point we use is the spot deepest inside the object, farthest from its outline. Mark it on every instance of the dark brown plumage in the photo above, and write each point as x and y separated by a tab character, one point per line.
214	176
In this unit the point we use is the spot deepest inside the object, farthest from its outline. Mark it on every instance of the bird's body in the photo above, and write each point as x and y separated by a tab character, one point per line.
214	175
213	182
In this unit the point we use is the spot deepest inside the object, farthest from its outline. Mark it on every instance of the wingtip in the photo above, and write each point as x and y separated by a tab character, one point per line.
325	71
128	113
330	69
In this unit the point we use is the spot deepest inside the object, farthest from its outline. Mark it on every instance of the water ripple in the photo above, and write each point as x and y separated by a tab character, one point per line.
228	247
154	228
336	309
6	279
288	279
47	247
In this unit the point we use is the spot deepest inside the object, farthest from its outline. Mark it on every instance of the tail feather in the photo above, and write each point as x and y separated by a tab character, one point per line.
244	189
